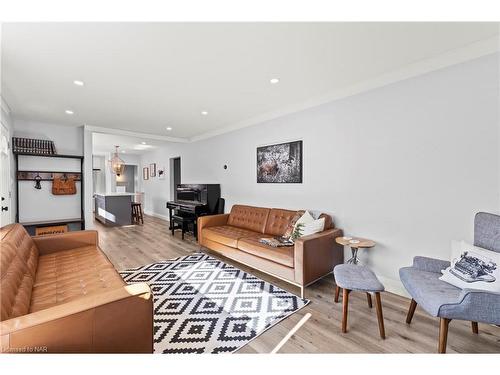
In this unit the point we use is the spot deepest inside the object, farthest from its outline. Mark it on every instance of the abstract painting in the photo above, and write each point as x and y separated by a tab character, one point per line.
280	163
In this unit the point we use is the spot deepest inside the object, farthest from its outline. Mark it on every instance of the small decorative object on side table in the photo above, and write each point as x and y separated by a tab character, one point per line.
355	243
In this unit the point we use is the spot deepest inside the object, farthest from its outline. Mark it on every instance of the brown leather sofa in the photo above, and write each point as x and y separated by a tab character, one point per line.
236	236
60	293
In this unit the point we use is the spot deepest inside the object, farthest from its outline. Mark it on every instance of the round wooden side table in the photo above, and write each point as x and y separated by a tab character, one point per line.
355	243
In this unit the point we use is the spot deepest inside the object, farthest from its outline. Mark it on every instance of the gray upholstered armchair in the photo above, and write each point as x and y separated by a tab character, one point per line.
445	301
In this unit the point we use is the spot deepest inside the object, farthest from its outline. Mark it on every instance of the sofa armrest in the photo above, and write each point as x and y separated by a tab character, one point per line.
210	221
58	242
474	305
430	264
116	321
316	255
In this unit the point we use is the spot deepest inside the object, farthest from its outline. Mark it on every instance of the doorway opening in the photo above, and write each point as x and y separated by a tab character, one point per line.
175	176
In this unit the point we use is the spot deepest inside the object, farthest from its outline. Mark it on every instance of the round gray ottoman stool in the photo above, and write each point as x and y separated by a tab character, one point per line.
351	277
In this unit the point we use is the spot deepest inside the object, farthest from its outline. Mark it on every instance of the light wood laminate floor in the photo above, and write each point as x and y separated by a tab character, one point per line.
133	246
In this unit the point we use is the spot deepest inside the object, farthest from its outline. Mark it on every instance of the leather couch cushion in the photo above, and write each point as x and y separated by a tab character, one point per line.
281	255
19	238
278	221
227	234
71	274
18	264
248	217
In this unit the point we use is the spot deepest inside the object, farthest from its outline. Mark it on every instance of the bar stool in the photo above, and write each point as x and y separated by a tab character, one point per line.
137	216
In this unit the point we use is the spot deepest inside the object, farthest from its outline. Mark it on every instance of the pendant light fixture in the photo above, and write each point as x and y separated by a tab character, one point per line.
117	165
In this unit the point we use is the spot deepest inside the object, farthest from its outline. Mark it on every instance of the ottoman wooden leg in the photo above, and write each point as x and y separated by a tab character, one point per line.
380	316
369	299
475	328
345	304
337	292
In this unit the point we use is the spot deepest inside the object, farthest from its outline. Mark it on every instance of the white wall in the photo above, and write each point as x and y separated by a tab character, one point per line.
407	165
6	120
99	180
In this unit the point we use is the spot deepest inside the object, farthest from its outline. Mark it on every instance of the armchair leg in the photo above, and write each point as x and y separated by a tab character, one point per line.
443	334
369	300
337	292
411	311
475	328
345	304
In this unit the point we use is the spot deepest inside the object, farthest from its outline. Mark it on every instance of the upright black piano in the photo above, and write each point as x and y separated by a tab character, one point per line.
193	201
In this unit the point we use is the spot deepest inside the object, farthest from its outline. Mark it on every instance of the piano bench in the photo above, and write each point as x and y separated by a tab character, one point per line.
182	222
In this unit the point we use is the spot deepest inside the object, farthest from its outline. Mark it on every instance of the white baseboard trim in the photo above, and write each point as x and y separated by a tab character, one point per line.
159	216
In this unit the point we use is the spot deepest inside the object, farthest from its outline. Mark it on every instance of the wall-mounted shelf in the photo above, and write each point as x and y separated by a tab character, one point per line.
51	222
46	175
50	156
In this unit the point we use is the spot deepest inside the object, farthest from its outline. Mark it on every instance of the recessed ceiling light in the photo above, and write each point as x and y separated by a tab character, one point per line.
69	112
204	113
274	81
78	83
169	128
143	143
123	151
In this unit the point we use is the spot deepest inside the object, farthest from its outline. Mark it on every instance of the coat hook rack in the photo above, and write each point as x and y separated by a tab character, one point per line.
47	176
37	181
43	175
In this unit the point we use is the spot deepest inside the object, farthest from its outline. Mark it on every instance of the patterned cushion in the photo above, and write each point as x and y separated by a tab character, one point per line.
291	226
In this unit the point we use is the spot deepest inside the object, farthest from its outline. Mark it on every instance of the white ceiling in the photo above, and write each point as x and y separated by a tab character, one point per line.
105	143
144	77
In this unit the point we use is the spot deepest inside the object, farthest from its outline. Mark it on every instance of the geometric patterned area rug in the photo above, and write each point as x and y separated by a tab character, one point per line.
203	305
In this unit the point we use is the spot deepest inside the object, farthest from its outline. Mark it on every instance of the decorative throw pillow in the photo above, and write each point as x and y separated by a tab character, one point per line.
473	268
304	219
305	229
299	224
313	227
289	229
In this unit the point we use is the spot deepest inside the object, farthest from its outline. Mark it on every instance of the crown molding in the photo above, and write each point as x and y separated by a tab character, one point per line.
98	129
452	57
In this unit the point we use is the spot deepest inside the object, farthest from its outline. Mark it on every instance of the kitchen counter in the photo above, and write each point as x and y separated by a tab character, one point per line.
114	194
114	209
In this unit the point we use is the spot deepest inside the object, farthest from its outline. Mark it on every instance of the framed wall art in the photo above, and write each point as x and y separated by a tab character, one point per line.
280	163
152	170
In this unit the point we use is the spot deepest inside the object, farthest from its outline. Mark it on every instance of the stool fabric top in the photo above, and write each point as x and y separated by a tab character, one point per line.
355	277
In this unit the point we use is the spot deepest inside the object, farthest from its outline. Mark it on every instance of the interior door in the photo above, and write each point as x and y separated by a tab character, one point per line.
5	181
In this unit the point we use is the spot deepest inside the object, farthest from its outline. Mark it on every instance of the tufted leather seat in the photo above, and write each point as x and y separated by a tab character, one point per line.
281	255
71	274
227	234
236	235
52	284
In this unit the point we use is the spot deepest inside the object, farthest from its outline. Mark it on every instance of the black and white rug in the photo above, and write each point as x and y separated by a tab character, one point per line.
203	305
